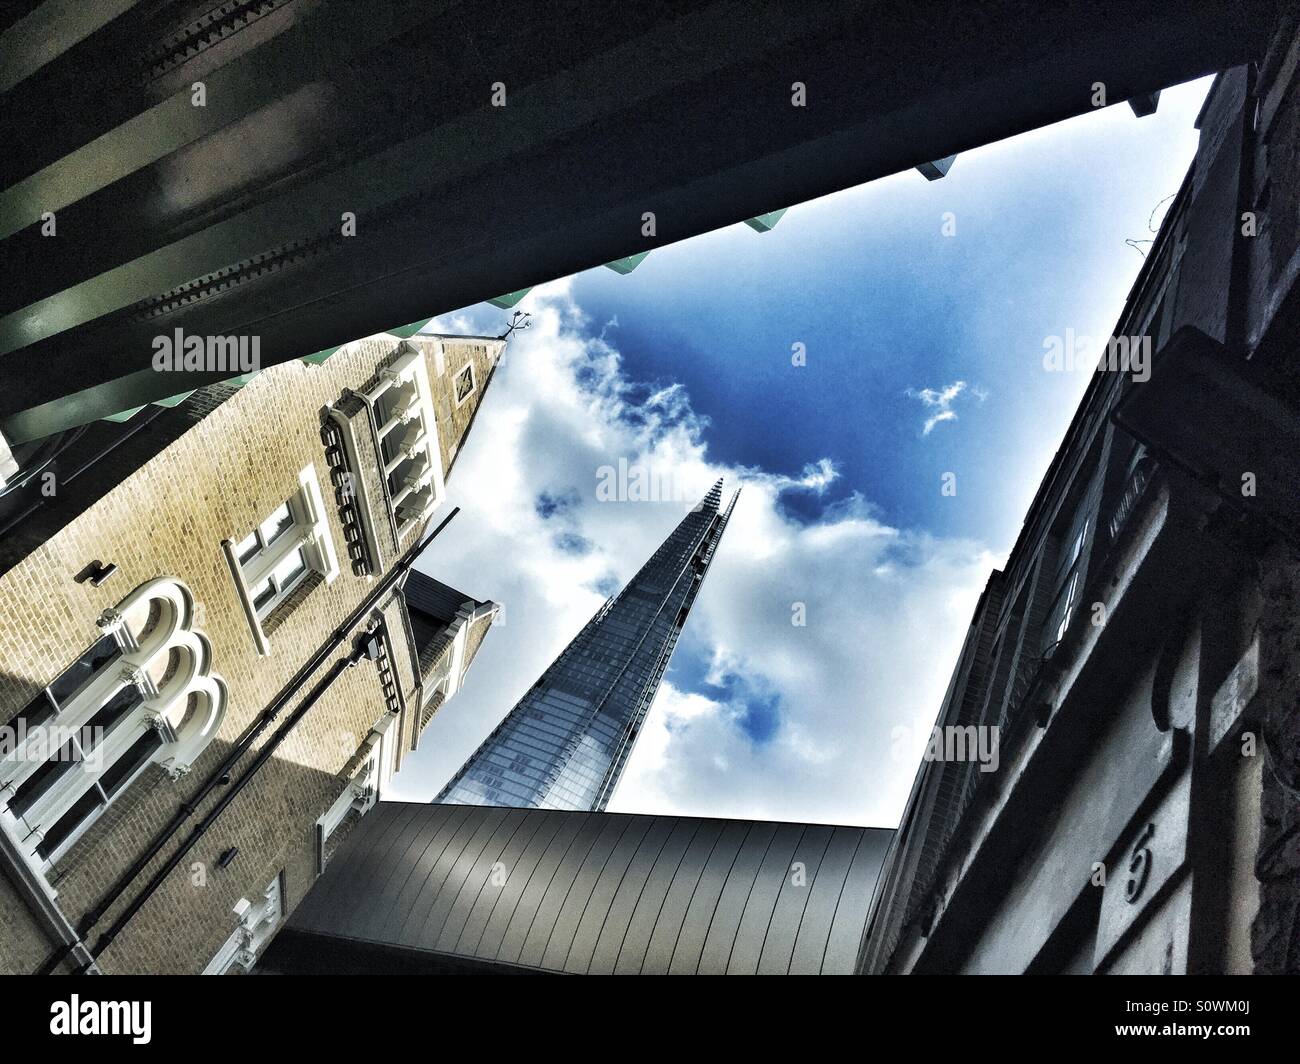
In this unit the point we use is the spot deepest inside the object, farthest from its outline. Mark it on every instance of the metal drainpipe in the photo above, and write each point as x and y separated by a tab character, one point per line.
272	711
419	690
40	900
1236	331
141	421
367	646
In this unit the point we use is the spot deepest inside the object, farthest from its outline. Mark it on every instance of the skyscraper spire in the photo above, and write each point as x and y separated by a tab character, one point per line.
566	743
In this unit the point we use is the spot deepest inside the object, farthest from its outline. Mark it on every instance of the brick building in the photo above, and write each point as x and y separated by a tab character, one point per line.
1138	654
214	658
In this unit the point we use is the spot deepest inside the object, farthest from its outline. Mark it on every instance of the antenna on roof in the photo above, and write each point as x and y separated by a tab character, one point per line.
520	319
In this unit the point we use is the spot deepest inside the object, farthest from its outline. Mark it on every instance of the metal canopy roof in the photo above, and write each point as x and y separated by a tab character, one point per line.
596	893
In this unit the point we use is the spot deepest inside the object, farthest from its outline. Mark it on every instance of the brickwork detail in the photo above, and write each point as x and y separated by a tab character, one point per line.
232	461
1275	936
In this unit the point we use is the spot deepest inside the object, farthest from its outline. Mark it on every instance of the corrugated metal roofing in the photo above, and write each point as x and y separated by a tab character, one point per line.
601	893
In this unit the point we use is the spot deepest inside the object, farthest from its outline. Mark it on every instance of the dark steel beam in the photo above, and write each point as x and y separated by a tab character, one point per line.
228	222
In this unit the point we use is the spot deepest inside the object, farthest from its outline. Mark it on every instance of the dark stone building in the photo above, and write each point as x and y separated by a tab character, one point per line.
1140	653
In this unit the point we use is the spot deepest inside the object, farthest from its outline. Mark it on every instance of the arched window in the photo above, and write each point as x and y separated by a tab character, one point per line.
143	693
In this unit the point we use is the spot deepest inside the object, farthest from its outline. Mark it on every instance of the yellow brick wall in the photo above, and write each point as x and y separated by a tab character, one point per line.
217	481
454	419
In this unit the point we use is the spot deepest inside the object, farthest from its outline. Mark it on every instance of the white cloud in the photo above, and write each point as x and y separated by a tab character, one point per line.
788	722
876	652
940	402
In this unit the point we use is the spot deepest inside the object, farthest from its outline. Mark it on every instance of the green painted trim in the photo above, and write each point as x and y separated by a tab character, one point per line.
169	402
176	400
628	264
765	223
407	331
320	357
123	415
932	171
509	300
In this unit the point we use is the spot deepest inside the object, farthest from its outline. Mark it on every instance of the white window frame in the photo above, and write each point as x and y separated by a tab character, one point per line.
307	534
413	480
473	383
459	630
258	921
360	796
159	652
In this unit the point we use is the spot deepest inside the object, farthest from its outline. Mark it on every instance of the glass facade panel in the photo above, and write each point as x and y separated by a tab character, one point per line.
567	741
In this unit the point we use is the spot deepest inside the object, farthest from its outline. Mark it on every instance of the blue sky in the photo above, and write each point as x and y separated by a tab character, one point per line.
884	301
685	365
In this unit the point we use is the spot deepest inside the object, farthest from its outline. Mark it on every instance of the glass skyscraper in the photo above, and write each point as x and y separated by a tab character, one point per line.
567	741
